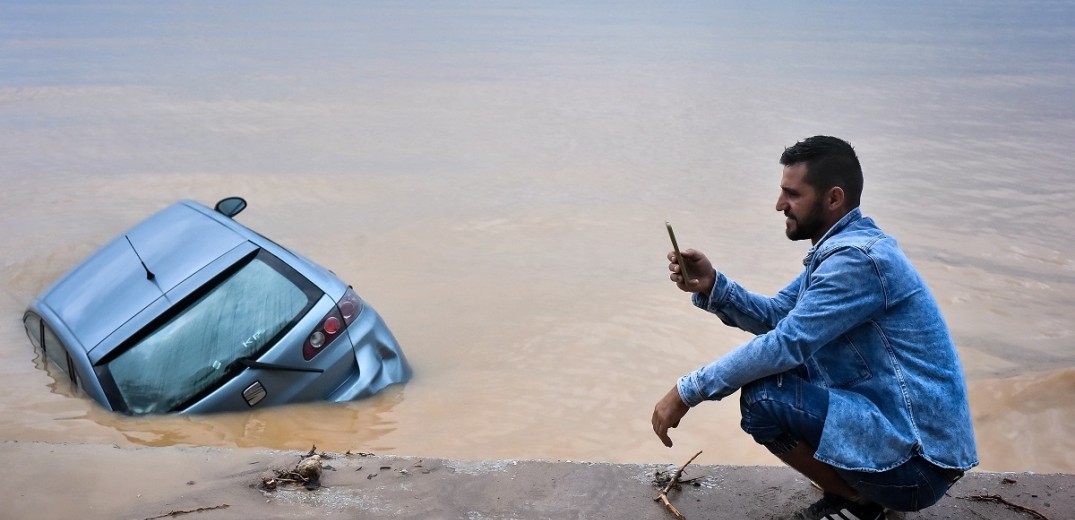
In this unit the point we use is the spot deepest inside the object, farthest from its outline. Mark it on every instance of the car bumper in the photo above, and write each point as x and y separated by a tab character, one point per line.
380	360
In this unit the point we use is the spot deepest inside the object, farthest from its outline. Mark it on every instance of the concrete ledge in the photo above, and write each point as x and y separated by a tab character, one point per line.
93	481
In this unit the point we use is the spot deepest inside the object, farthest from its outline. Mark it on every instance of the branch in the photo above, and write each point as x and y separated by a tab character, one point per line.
671	507
663	497
177	513
1000	500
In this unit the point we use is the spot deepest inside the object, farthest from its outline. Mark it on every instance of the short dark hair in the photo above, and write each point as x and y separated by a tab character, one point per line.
829	162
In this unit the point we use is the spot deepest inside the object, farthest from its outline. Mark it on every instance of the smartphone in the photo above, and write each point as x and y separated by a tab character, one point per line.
679	256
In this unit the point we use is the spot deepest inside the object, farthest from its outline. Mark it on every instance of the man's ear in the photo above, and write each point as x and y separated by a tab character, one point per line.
835	197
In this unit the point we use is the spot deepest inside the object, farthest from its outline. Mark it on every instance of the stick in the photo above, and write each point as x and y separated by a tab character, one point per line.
678	473
663	497
1000	500
671	507
200	509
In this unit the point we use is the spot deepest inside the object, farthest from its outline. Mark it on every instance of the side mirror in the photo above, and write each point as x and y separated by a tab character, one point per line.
230	206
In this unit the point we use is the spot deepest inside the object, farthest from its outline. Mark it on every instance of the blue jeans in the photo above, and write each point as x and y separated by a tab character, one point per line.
784	410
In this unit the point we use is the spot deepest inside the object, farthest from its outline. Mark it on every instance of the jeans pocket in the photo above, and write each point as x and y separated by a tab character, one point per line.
898	498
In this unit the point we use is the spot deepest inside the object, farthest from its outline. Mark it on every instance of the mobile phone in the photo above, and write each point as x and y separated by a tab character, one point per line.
679	256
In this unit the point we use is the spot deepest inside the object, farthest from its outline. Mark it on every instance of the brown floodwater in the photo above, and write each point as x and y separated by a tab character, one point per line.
494	180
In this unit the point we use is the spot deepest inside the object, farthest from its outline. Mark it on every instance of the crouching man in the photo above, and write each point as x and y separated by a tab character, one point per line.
853	379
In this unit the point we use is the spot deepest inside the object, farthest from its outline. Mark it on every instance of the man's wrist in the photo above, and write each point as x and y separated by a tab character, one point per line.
709	286
686	393
703	299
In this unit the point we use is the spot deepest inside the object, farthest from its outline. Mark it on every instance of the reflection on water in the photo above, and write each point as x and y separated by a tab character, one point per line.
494	180
333	427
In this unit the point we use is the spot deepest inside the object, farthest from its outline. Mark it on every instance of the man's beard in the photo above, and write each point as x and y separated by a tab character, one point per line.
806	227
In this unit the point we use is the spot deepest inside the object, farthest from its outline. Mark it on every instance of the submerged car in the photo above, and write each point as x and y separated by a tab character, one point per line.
192	312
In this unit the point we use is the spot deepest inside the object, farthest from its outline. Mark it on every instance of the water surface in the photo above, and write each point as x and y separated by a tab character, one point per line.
494	178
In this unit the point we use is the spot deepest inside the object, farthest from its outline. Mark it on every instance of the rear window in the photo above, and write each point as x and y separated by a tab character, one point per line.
192	352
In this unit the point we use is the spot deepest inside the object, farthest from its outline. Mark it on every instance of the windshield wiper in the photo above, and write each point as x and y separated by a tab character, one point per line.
250	363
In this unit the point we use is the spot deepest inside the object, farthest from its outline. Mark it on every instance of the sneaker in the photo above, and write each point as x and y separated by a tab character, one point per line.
832	507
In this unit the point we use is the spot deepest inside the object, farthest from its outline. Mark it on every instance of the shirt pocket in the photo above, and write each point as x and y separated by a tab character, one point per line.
840	364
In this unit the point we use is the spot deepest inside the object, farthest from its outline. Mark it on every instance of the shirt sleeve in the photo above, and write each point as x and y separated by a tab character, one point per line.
844	291
752	312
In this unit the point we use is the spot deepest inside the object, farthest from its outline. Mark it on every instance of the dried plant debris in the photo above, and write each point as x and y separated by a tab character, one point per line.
312	466
668	483
324	455
306	473
663	478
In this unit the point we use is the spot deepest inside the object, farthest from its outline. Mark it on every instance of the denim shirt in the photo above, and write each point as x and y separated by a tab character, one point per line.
860	322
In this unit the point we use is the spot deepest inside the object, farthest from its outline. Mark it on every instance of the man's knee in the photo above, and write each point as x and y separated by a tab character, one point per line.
759	403
775	412
760	390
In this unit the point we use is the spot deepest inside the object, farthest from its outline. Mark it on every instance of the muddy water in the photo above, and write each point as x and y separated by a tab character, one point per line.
494	180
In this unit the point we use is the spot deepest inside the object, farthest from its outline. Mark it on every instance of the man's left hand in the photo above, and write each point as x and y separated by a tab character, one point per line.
669	410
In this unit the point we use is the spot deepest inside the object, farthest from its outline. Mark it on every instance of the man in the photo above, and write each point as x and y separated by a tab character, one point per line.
853	379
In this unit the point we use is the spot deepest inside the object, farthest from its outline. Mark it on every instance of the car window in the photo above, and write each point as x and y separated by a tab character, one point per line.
55	350
42	336
33	328
194	350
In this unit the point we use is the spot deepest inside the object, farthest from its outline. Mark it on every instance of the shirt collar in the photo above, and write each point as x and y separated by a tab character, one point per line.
852	216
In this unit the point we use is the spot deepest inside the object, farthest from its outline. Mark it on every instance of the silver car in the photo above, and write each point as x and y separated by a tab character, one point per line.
189	311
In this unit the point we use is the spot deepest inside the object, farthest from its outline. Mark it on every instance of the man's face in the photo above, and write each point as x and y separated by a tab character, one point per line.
801	205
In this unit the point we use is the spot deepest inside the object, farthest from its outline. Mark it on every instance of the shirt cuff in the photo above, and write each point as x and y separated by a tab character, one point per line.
718	294
688	390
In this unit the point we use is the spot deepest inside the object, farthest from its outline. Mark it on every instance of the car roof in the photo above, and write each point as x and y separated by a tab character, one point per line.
111	286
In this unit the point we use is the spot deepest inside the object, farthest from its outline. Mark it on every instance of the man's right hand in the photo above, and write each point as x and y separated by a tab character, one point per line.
698	265
667	413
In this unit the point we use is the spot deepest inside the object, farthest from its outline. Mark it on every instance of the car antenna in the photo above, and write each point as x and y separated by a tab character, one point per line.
149	274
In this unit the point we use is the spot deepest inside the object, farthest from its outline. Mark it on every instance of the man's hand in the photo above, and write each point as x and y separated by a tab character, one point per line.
669	410
697	264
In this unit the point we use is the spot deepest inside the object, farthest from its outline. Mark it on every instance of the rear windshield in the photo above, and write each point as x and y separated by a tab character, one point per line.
192	352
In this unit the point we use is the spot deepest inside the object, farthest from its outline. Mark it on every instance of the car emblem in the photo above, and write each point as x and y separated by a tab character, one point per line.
254	393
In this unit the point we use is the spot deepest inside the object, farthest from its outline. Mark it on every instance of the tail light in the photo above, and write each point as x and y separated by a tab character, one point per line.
350	306
333	324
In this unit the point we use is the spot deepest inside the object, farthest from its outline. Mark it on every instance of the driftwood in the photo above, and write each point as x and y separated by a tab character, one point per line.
672	483
1000	500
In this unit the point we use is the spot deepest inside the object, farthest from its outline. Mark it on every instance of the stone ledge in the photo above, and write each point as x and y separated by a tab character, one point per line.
45	480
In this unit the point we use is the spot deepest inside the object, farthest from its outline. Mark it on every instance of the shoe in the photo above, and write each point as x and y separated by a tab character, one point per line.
832	507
